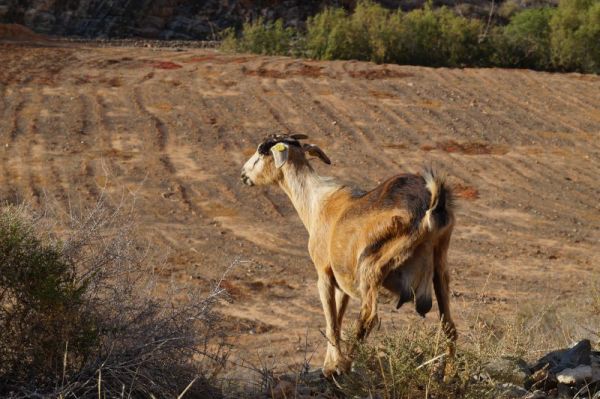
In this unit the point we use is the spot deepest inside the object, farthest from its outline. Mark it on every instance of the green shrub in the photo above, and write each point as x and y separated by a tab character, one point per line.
258	37
461	39
575	40
420	39
366	34
509	8
373	33
327	36
41	305
525	41
445	38
229	40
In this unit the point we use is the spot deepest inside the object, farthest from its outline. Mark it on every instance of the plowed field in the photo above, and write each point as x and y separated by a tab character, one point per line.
173	128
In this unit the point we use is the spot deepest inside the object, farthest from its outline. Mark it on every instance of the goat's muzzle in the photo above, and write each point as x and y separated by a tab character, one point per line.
246	180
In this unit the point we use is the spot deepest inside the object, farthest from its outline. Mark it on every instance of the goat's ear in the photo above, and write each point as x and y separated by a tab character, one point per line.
280	153
315	151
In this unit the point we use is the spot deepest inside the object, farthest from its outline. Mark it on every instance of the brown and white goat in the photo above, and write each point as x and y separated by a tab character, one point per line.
395	236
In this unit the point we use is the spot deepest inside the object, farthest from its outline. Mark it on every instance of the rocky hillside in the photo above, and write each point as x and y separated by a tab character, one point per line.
186	19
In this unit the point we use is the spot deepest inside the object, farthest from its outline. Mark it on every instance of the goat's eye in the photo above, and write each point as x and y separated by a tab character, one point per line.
264	150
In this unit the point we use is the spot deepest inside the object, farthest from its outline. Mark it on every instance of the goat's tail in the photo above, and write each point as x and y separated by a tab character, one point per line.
439	214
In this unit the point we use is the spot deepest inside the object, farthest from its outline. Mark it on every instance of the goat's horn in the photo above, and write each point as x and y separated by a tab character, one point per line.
316	152
299	136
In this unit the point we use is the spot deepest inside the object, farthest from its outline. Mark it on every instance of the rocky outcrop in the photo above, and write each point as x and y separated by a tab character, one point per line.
156	19
182	19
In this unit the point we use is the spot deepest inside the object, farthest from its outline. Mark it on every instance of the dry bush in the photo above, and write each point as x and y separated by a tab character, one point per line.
84	316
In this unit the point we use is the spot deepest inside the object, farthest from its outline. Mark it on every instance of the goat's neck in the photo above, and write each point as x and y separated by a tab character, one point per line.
307	191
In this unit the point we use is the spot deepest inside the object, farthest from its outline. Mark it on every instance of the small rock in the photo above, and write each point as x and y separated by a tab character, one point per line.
566	391
574	376
507	369
537	394
539	375
559	360
508	390
541	378
303	391
313	376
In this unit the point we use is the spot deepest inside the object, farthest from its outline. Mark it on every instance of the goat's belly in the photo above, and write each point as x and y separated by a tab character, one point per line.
413	280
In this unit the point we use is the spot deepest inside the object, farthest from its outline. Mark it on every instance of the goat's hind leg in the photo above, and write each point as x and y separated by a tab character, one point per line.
371	278
441	280
341	302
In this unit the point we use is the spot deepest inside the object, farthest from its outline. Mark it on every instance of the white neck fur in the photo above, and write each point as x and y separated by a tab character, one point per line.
307	191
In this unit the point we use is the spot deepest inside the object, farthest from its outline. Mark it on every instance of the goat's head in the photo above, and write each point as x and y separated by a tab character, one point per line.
265	166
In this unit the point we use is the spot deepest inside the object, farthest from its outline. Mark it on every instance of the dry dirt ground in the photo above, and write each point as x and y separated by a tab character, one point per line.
173	128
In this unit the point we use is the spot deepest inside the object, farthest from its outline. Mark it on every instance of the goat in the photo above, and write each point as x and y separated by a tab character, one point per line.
396	236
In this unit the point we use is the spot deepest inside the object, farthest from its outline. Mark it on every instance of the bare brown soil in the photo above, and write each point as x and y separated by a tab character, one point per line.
172	129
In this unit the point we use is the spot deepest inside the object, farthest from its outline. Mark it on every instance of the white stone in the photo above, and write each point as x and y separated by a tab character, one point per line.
573	376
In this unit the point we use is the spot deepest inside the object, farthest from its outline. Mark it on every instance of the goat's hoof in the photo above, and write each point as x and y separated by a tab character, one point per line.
449	374
328	372
343	366
443	371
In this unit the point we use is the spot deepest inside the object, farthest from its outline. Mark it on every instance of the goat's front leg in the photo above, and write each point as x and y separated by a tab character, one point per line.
334	361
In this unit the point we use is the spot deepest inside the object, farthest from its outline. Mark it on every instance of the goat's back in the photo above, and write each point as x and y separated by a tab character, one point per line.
405	193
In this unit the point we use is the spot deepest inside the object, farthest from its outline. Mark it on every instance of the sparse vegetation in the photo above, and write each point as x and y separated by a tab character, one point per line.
79	317
405	361
565	38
